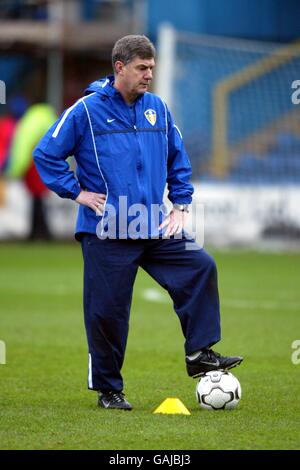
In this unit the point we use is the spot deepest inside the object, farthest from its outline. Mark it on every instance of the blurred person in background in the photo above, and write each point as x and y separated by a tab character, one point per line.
28	132
126	145
16	107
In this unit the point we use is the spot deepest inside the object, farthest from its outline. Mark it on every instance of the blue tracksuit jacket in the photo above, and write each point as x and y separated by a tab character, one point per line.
119	152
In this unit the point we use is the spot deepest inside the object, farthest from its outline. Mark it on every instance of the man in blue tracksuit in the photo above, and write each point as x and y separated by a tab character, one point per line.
127	149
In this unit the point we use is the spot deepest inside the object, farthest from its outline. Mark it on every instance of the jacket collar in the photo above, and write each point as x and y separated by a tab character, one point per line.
111	91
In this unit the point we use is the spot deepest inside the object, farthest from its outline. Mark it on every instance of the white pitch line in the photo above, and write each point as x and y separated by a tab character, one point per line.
154	295
42	290
260	304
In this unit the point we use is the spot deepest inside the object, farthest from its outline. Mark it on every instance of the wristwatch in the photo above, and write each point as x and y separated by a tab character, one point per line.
181	207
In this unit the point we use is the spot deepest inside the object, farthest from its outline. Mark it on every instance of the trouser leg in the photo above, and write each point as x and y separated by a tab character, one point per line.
110	268
190	276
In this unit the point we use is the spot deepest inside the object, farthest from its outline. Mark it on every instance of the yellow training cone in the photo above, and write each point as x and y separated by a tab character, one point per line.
172	406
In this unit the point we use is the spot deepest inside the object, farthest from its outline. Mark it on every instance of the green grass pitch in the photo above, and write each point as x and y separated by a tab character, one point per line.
44	403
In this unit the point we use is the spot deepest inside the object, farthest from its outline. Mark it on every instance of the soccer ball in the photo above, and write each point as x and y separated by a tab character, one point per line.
218	390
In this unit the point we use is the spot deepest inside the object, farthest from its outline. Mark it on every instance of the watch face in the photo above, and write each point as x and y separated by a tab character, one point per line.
181	207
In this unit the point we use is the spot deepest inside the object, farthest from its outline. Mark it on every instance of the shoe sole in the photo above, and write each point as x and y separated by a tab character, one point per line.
201	374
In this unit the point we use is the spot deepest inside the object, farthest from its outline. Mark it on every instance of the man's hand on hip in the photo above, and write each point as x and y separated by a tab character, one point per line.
174	222
95	201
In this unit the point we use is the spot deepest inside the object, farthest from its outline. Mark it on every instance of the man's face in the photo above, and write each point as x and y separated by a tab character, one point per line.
136	76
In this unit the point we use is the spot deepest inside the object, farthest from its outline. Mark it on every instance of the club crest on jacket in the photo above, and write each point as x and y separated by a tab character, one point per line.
150	115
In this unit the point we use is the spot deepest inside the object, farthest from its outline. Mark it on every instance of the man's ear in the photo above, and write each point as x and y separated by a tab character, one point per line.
119	67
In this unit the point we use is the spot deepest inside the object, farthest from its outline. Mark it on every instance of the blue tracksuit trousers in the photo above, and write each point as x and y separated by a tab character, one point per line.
110	268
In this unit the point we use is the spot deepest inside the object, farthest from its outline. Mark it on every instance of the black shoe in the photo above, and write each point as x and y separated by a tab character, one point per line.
209	360
114	400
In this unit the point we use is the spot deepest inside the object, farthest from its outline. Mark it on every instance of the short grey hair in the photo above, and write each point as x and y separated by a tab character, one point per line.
131	46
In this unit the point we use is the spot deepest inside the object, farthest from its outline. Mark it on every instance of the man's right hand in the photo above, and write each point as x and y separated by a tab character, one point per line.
95	201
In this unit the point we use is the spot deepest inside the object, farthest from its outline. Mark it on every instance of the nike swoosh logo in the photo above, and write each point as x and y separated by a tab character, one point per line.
217	363
110	120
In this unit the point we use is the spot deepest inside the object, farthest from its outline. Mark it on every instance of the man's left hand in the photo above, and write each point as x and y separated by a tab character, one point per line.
174	222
